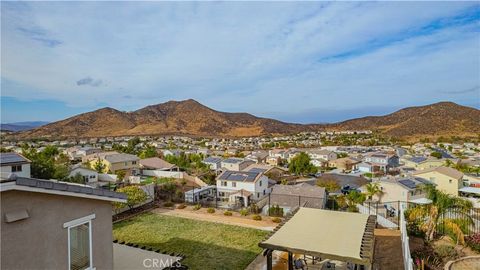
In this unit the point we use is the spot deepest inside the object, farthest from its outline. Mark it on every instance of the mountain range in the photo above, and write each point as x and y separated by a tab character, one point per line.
189	117
21	126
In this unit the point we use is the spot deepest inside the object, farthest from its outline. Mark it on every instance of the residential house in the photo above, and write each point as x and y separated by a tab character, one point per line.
257	156
155	163
114	162
215	163
379	161
55	225
242	187
321	155
423	163
14	163
400	189
89	175
291	197
173	152
235	164
274	161
344	164
445	179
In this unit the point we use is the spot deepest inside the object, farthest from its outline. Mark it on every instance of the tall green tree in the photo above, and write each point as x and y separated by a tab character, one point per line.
300	165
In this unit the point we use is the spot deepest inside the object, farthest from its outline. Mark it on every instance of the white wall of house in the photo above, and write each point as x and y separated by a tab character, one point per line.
258	189
159	173
89	175
21	170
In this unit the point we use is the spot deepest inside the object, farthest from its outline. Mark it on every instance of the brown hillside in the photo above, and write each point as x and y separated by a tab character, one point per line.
192	118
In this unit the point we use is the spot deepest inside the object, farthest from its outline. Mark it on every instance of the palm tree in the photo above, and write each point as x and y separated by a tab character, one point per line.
373	189
431	216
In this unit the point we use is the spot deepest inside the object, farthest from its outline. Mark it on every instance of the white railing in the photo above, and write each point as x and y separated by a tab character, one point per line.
380	219
407	258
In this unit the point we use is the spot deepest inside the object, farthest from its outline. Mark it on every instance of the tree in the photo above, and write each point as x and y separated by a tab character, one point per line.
135	195
430	217
300	165
148	152
373	189
77	178
353	198
120	176
99	166
329	185
436	154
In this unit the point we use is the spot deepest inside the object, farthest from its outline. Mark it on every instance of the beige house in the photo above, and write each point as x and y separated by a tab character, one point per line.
345	164
403	189
114	162
423	163
52	225
446	179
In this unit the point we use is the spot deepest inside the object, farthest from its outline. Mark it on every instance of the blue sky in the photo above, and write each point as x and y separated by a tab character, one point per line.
298	62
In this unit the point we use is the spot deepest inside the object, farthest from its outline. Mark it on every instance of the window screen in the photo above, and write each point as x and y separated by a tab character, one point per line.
80	247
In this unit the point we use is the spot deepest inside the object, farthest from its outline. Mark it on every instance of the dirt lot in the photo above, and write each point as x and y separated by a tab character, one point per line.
236	219
388	249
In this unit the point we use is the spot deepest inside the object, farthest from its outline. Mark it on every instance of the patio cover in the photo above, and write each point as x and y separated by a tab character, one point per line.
327	234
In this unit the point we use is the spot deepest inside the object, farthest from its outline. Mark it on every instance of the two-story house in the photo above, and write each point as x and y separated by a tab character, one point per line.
242	187
445	179
235	164
374	162
215	163
14	163
114	162
55	225
400	189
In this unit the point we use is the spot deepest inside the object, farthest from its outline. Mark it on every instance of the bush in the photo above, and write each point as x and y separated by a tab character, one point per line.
228	213
244	212
168	204
257	217
447	252
254	209
197	207
276	219
181	206
211	210
275	211
473	241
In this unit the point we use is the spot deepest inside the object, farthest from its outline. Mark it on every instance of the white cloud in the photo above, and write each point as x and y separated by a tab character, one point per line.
255	57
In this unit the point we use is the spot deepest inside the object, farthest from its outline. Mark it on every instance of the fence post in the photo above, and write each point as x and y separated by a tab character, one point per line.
369	203
398	213
298	200
269	194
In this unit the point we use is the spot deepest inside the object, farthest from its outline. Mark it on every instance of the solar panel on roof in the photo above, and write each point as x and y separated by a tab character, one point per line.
408	183
257	170
11	158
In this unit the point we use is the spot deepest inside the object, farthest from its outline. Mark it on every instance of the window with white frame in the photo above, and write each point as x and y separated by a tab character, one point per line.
80	243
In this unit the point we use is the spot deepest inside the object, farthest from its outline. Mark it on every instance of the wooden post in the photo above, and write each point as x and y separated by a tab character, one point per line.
290	261
269	259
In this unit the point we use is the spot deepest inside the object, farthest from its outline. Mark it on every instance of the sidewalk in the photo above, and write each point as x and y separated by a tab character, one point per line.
266	224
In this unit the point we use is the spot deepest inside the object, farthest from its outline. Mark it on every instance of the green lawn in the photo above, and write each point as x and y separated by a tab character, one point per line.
206	245
157	180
